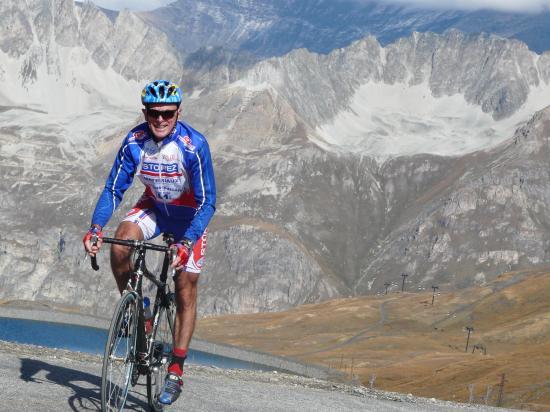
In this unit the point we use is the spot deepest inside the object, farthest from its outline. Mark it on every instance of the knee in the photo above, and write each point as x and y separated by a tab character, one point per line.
126	230
119	252
129	230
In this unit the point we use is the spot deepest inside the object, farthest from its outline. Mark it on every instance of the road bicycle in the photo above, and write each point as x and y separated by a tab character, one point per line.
132	350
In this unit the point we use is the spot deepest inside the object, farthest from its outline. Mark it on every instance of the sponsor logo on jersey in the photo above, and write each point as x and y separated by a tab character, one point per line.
160	169
154	178
139	134
203	242
170	157
187	142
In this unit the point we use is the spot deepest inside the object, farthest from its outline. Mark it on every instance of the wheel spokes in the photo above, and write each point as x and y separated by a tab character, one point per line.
120	359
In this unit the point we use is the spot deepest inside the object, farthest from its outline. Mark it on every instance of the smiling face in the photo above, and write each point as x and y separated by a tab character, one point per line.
161	118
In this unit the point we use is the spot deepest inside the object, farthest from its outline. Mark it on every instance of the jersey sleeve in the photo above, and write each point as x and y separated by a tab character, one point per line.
119	180
204	191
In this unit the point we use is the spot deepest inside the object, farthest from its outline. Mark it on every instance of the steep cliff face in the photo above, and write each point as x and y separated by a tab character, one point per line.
488	214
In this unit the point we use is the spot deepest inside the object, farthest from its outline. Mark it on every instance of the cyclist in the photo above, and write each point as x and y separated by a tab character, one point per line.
173	162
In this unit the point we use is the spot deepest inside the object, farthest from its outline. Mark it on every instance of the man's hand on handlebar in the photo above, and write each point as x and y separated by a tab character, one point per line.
181	253
92	240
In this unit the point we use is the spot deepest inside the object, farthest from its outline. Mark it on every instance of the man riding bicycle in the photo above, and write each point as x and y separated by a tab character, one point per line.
173	162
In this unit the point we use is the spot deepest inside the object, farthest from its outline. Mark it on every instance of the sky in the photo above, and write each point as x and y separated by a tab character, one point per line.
503	5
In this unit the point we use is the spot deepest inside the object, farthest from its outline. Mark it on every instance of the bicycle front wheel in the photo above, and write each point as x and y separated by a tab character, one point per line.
120	354
163	338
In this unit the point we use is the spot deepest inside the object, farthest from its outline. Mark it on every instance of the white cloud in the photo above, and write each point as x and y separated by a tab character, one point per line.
531	6
132	4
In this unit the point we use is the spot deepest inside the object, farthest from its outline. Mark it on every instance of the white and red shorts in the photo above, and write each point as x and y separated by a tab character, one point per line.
152	224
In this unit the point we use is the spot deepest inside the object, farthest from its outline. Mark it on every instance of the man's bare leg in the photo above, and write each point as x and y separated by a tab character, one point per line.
186	313
121	263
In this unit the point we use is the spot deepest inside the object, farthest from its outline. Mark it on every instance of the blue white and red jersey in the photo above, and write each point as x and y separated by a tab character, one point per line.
177	173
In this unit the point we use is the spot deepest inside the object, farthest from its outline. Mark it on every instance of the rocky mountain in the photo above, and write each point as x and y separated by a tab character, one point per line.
52	47
336	173
427	93
449	221
67	73
486	214
342	199
274	28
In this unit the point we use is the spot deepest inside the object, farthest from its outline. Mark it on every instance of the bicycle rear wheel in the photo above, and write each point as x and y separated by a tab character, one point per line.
120	354
163	337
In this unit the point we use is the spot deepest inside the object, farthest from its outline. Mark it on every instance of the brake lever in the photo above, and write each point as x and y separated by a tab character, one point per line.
93	259
173	256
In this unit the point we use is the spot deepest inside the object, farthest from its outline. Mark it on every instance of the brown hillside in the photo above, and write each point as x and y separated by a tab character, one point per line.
408	345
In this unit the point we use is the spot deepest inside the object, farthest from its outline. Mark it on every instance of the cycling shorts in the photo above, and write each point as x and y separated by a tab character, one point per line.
152	224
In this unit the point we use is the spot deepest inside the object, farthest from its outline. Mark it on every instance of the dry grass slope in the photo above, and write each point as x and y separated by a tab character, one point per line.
408	345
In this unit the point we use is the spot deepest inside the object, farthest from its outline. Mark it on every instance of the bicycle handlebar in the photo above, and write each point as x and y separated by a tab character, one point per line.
138	244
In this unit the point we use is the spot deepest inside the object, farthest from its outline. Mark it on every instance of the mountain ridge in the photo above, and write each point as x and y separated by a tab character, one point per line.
273	28
474	91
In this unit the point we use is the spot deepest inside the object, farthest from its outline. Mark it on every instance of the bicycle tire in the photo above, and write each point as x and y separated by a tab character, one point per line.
120	354
161	349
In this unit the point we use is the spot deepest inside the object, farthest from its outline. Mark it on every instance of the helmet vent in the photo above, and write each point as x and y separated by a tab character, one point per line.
161	92
153	91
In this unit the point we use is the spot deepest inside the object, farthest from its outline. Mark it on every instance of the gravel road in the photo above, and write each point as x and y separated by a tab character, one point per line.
41	379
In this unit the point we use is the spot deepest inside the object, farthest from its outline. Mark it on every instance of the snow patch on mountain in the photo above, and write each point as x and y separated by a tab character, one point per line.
49	141
79	85
385	120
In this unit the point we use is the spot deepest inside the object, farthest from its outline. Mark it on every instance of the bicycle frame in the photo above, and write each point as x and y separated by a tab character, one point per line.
147	353
134	285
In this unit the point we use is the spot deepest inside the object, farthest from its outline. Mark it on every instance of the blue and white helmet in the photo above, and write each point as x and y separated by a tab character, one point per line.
161	91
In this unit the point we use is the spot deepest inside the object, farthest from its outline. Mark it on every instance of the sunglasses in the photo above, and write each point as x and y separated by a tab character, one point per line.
165	114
